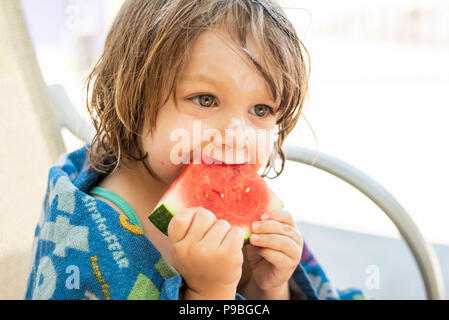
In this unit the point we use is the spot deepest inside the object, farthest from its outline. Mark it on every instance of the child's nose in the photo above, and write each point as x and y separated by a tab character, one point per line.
236	141
237	128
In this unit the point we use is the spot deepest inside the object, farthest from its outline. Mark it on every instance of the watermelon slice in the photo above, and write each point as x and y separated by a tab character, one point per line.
233	192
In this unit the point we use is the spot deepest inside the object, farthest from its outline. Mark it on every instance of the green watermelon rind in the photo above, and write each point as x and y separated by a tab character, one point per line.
161	217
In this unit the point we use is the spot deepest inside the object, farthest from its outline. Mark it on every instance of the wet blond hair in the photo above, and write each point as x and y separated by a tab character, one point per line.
145	50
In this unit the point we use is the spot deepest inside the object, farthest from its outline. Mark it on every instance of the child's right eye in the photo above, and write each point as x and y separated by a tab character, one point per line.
204	100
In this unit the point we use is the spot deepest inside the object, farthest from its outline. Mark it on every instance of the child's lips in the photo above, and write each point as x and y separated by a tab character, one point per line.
217	161
209	159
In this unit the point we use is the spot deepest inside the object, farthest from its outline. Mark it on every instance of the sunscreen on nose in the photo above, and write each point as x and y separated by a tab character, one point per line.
237	125
238	128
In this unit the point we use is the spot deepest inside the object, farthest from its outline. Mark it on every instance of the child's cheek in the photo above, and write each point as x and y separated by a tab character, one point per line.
164	147
160	162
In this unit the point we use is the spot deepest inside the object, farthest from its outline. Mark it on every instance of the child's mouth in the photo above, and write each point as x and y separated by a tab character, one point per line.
194	157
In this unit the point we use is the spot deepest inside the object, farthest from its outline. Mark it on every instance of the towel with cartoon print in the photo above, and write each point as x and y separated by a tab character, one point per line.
84	249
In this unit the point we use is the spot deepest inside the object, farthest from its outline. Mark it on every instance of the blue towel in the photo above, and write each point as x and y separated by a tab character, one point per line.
84	249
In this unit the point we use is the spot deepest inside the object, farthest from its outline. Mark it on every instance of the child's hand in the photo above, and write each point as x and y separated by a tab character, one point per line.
273	254
207	252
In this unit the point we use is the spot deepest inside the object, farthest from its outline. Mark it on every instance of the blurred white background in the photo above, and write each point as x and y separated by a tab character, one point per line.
378	100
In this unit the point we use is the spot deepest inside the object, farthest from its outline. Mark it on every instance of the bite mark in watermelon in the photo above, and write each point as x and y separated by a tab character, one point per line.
233	192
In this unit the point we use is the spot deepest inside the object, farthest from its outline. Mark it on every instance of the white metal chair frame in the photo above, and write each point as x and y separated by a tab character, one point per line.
423	253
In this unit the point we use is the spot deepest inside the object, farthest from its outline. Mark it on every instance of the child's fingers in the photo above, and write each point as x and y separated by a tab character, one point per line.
201	223
180	224
277	258
217	232
277	242
233	239
191	222
272	226
280	216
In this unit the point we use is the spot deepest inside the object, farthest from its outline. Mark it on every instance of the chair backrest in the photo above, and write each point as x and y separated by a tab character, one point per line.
67	116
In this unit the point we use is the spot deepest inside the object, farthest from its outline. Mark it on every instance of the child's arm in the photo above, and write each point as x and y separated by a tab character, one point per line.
207	252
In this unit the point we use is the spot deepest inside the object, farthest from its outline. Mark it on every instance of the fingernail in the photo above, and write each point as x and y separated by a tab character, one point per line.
254	237
256	226
264	216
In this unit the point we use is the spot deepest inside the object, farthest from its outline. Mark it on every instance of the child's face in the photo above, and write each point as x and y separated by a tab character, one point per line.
235	102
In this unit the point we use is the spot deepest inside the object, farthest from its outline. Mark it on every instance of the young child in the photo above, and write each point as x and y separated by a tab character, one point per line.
235	66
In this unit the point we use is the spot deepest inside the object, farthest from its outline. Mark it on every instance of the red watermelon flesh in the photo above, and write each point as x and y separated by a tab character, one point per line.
233	192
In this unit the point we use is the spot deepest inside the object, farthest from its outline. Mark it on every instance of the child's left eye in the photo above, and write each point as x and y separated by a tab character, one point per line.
261	110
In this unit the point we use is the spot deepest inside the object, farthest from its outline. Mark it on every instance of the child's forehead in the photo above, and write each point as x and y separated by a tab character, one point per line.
220	42
217	52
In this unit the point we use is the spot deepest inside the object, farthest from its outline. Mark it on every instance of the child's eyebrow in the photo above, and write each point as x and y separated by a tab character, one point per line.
200	77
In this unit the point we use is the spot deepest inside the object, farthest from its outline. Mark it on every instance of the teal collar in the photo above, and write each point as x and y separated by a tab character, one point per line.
119	202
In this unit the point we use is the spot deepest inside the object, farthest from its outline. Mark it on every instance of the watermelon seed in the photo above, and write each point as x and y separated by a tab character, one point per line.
220	194
247	189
